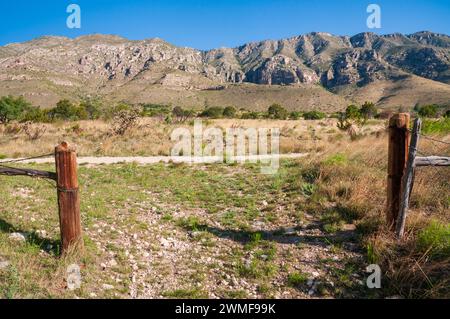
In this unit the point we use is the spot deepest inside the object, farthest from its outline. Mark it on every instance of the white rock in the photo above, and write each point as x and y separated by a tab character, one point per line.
18	237
4	264
112	263
107	287
315	274
165	242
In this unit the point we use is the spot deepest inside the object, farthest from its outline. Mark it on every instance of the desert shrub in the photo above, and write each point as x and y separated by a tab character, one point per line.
124	121
428	111
250	116
181	115
229	112
90	108
276	111
12	108
35	115
368	110
352	112
155	110
314	115
295	115
214	112
33	131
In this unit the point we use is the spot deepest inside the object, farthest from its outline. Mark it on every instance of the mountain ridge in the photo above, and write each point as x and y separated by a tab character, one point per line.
338	67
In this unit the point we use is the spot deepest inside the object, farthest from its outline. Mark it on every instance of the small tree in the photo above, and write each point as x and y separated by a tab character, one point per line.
214	112
276	111
368	110
295	115
314	115
12	108
229	112
64	110
352	112
91	107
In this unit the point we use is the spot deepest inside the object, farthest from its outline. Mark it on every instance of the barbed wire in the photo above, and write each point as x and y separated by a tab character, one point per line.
27	172
433	139
26	158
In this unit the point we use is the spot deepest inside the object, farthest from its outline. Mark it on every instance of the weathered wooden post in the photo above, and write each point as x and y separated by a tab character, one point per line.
68	196
408	179
397	158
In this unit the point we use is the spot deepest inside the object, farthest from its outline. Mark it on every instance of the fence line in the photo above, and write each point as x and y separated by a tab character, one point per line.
402	164
66	178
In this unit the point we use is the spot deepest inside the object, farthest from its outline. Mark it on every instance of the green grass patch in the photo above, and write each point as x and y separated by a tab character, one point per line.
435	238
297	279
440	126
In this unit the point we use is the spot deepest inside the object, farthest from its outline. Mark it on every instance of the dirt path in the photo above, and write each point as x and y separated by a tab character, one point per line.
160	159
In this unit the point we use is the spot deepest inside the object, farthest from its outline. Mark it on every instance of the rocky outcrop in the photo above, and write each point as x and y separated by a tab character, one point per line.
333	61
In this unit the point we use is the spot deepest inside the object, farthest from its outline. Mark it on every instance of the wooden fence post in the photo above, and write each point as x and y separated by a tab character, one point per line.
408	179
397	158
68	196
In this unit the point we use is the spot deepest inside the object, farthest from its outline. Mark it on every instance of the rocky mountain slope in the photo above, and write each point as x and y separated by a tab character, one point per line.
316	70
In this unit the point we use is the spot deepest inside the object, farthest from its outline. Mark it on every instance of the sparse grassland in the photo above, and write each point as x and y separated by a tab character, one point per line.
226	231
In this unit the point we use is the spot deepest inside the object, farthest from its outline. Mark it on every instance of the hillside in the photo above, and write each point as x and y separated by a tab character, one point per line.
316	70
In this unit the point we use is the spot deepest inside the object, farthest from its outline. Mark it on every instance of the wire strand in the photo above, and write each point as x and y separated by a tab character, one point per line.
25	159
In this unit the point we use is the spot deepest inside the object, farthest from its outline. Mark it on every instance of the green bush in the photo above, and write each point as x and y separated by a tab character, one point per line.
428	111
34	114
214	112
12	108
440	126
276	111
352	112
250	116
447	114
229	112
155	110
314	115
368	110
91	107
295	115
66	110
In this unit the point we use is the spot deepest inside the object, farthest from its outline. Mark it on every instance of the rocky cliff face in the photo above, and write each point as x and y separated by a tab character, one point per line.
98	61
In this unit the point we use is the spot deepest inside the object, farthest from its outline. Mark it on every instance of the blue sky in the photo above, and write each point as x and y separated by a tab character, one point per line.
206	24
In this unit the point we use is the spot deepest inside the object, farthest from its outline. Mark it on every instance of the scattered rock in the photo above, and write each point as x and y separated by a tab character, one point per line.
107	287
22	237
4	264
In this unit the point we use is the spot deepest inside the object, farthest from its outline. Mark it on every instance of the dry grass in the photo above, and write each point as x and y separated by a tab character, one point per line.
151	137
343	182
